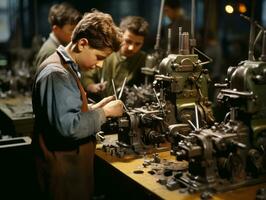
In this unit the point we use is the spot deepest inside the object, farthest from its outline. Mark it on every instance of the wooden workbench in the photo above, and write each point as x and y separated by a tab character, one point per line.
115	178
19	110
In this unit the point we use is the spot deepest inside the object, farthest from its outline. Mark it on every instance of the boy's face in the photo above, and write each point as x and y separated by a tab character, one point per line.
64	33
90	58
131	44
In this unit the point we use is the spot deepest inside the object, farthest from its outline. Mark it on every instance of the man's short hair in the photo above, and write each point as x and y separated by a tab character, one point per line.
62	14
174	4
99	29
135	24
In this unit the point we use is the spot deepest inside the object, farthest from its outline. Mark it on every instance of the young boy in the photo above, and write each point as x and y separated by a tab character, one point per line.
65	127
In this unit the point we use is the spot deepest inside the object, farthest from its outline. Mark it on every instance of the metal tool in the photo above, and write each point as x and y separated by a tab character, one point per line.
113	84
122	88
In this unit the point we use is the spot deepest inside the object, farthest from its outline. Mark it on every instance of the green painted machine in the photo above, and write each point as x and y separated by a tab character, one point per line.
245	88
232	153
183	82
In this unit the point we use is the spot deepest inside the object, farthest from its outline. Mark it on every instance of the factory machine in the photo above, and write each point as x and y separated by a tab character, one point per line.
139	130
179	78
232	153
183	81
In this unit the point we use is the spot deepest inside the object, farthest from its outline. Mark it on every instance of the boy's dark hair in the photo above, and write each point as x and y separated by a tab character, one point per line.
62	14
99	29
172	4
135	24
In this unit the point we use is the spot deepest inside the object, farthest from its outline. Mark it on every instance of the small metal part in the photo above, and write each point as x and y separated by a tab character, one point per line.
172	184
185	44
261	194
178	174
100	136
168	172
151	172
91	100
162	180
206	195
138	171
182	190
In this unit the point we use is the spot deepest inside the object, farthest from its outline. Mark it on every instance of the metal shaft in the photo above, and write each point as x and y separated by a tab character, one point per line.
113	85
157	44
179	38
185	43
122	88
263	53
252	33
193	11
169	41
196	116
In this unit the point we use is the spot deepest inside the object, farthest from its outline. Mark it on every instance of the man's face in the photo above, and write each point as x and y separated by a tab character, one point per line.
131	44
90	58
64	33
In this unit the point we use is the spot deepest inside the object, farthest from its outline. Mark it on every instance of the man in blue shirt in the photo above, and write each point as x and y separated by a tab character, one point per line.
65	126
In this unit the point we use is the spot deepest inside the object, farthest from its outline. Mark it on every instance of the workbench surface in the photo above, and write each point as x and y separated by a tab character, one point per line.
147	183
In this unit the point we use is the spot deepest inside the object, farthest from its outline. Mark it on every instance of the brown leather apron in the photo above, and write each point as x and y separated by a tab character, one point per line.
66	174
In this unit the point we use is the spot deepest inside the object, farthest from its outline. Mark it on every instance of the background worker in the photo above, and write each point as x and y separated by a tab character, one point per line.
174	17
62	18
